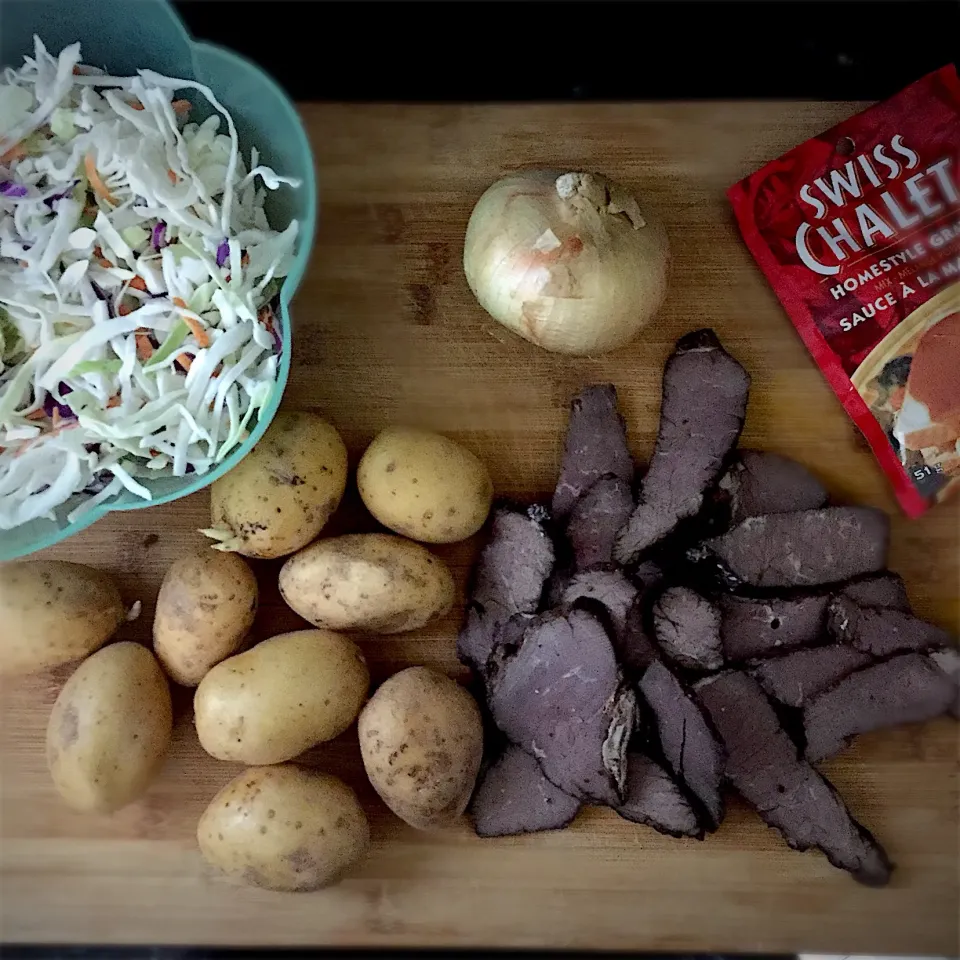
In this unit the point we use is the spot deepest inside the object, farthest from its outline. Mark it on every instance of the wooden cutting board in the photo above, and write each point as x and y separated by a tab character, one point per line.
387	331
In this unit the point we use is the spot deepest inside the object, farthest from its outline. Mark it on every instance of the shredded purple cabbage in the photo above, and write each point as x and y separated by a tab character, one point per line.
10	189
49	201
158	236
50	403
223	251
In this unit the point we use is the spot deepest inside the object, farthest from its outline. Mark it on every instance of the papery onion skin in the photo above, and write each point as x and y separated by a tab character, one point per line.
580	274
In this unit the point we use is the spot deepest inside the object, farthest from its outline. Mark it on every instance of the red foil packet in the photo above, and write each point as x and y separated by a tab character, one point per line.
858	232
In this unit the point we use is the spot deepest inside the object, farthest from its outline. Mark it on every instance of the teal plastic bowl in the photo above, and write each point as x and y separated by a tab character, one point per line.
124	36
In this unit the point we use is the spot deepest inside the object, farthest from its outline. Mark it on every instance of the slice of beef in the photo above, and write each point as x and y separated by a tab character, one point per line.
514	796
795	678
763	766
801	549
760	483
687	628
883	590
561	698
516	561
948	660
882	632
596	520
910	688
761	628
608	588
701	416
653	798
635	650
689	746
596	445
509	580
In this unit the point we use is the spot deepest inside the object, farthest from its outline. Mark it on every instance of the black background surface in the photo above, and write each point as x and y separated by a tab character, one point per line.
365	50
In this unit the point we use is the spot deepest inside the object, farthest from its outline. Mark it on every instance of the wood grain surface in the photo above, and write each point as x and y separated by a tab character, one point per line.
387	331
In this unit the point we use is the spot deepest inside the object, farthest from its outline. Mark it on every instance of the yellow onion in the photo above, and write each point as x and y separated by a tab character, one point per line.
569	261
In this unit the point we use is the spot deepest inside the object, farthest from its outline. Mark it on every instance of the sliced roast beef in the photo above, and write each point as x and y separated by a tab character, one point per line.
796	677
882	632
910	688
596	445
516	562
596	519
652	798
560	697
609	588
883	590
514	796
786	791
758	483
509	579
635	650
687	628
701	416
689	746
801	549
762	628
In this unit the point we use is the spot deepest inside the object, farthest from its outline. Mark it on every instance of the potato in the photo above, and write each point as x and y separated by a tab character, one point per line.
281	697
367	581
52	612
110	729
424	486
283	828
421	739
206	607
280	496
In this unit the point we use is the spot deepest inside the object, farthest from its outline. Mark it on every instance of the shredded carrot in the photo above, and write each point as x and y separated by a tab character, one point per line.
124	309
55	418
181	107
154	453
136	104
77	72
114	401
138	283
244	259
100	258
180	302
203	338
265	316
16	152
184	361
144	346
38	414
171	176
99	187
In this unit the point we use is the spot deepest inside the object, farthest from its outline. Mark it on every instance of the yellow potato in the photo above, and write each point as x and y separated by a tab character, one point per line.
424	485
206	607
278	498
281	697
52	612
283	828
367	581
110	729
421	739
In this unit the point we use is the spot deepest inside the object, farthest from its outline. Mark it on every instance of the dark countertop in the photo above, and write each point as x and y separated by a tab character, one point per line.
631	50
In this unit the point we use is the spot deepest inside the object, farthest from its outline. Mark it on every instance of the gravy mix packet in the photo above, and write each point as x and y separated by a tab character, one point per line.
858	232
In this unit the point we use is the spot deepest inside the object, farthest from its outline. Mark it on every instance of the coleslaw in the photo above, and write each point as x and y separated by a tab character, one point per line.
138	282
